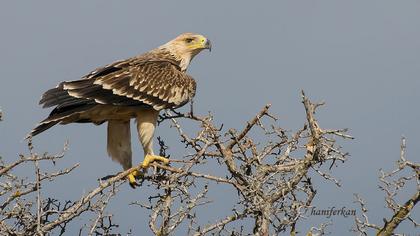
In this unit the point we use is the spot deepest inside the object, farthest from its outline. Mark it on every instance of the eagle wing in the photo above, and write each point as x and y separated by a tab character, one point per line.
150	80
156	83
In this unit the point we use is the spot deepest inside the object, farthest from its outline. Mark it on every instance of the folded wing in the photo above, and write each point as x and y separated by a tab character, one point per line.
158	84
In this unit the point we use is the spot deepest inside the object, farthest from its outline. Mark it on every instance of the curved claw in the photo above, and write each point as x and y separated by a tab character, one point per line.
132	178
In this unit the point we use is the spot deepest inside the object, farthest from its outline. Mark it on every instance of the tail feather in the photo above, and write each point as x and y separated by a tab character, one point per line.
41	128
67	108
73	98
61	115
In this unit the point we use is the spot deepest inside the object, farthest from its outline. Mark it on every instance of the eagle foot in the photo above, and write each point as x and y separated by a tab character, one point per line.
134	175
132	178
151	158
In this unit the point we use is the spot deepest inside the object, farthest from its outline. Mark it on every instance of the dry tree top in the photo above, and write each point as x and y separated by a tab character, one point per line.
268	168
393	183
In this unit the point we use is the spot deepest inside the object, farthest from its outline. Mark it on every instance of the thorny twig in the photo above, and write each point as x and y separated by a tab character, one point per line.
266	177
392	185
268	167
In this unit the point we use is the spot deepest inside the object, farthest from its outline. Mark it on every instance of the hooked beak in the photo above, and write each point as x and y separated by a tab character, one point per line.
208	45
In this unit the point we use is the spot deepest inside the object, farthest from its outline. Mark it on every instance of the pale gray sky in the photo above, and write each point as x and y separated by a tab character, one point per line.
361	57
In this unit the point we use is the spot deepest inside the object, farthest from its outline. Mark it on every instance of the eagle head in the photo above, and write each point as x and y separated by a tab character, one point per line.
186	46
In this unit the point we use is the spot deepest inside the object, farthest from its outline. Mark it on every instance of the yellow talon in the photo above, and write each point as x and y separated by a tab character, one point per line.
151	158
147	160
132	178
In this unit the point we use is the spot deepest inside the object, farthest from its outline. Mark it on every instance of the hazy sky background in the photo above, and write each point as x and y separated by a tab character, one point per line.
361	57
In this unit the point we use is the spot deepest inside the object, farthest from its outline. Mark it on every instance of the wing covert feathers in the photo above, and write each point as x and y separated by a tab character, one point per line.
157	83
153	80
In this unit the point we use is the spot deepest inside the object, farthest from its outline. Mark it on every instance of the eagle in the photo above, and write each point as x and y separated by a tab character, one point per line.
138	87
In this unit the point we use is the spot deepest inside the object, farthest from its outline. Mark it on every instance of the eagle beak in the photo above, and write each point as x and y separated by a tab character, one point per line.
207	45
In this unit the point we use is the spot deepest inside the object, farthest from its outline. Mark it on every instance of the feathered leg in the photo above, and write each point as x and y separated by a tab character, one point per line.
146	123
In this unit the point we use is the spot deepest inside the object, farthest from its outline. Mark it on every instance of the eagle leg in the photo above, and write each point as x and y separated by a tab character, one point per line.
146	124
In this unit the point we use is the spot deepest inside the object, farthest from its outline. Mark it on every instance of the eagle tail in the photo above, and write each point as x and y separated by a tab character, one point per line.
41	127
60	114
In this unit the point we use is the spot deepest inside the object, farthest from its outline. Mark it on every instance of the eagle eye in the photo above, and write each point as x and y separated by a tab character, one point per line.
189	40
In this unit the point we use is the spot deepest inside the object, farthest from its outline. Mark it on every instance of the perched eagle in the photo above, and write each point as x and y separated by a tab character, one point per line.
137	87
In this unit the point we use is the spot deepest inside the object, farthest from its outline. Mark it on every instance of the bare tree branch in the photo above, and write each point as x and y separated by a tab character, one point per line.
392	185
268	167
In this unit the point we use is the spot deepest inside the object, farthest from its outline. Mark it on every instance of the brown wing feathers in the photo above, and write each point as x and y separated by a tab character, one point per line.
158	84
133	82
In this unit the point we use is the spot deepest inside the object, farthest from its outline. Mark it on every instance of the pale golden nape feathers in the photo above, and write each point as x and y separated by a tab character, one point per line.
186	46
